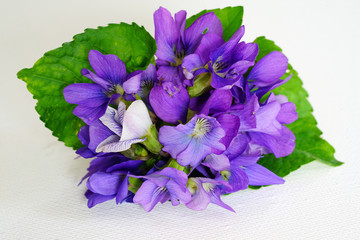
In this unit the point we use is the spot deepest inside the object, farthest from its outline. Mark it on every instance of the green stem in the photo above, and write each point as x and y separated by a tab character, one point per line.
152	140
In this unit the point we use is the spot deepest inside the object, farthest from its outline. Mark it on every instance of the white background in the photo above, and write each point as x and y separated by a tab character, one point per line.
39	197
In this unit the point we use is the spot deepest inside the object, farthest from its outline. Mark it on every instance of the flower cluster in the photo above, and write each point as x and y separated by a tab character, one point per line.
190	128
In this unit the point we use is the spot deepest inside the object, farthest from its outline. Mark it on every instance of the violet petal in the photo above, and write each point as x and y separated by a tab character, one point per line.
170	102
258	175
108	67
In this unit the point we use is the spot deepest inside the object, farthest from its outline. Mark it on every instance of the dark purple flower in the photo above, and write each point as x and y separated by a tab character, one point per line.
230	124
161	186
108	179
227	62
170	102
192	142
220	100
91	136
266	74
268	70
263	78
100	164
141	83
174	42
93	98
212	102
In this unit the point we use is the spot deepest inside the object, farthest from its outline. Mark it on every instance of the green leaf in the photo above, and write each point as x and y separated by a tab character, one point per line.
62	66
230	17
309	144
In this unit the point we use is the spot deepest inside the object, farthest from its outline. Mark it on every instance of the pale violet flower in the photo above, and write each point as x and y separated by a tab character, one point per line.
128	126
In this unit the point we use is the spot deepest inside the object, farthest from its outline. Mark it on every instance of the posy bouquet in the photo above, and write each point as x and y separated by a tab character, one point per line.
188	117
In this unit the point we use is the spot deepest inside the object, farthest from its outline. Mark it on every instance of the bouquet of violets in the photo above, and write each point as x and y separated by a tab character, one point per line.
209	116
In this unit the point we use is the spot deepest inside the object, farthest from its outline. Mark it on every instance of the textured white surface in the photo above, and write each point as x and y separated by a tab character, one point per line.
39	197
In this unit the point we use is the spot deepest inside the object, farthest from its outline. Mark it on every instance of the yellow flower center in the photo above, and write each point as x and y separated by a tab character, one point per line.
202	126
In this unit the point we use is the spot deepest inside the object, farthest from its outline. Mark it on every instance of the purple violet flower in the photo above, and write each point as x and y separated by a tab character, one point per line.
263	78
227	62
264	124
192	142
170	102
141	83
91	136
100	164
238	166
266	74
219	101
93	98
271	134
108	179
204	191
161	186
198	76
174	42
